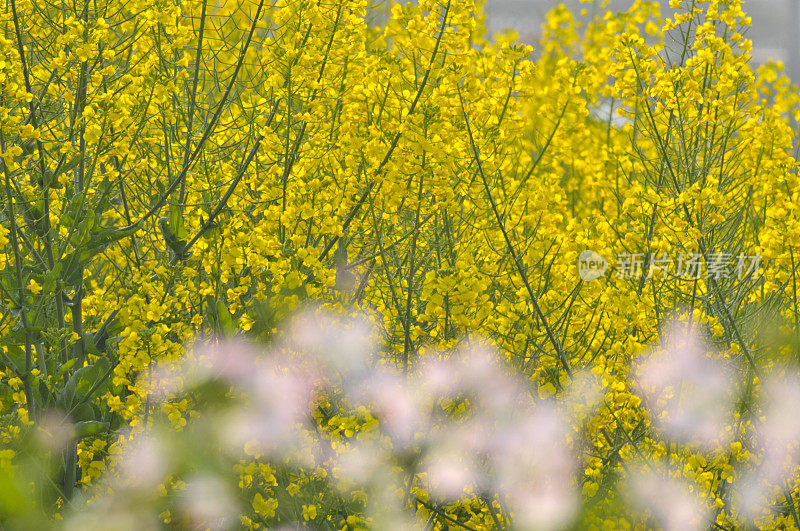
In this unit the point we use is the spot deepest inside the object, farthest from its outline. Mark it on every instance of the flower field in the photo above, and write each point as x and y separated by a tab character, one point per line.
349	264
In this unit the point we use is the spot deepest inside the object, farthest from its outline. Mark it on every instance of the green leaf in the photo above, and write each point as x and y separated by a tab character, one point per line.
15	358
43	393
50	280
226	323
48	181
85	227
95	376
87	428
69	166
83	413
66	397
96	245
65	367
176	222
176	245
74	205
50	178
12	500
89	344
104	191
82	381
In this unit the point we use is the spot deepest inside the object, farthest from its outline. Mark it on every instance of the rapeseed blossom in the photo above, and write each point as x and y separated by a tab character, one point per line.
175	172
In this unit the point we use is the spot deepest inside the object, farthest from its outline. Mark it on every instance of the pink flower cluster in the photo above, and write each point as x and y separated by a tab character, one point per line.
692	396
460	424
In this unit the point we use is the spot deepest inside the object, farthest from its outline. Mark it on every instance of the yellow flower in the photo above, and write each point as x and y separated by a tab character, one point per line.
34	287
309	512
265	507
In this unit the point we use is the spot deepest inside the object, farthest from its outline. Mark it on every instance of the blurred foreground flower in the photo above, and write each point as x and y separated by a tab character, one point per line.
690	395
777	436
668	500
461	423
459	426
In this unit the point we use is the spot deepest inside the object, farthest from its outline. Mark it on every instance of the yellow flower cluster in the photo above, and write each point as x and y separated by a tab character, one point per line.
174	169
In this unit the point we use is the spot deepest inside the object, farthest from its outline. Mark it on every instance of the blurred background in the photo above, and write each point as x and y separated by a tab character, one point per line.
775	32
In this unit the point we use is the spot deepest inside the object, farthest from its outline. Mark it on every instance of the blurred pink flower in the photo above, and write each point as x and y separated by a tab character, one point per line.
231	360
361	464
436	379
54	430
777	434
450	471
207	503
111	514
473	373
690	395
504	440
340	346
396	403
495	390
228	360
667	499
144	462
277	402
535	468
